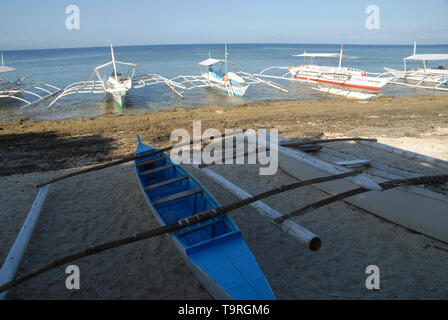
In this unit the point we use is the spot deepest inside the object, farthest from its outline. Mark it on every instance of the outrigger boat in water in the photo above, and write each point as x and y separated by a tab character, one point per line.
213	250
424	76
116	85
417	207
338	76
28	93
215	74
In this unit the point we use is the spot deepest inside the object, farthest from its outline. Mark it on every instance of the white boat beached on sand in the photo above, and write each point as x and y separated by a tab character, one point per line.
419	208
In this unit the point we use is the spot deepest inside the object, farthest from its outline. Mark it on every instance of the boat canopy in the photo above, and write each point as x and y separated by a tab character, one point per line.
427	57
210	61
6	69
321	55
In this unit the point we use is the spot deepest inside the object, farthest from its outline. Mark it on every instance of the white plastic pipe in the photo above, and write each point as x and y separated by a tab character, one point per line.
306	237
12	261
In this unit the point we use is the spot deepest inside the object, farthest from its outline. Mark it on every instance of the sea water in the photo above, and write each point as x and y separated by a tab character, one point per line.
61	67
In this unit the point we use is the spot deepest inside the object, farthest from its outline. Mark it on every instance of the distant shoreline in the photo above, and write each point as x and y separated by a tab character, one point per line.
220	44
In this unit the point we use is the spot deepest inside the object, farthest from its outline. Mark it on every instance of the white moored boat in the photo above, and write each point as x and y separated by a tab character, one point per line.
330	75
27	93
215	73
116	85
422	209
424	75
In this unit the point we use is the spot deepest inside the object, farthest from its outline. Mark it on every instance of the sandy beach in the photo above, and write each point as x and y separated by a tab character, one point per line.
106	205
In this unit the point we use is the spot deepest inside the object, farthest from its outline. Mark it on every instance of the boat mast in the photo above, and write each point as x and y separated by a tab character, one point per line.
113	62
340	55
226	55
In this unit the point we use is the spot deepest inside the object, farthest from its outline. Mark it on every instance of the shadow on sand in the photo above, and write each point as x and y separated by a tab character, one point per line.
45	151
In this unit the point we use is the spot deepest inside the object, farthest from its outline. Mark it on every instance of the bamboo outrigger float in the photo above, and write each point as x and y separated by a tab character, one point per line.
12	261
306	237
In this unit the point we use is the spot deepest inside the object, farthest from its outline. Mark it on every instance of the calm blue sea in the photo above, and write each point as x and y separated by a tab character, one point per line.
61	67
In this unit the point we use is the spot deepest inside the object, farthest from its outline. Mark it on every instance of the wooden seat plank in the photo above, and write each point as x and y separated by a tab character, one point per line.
177	196
159	169
150	161
165	183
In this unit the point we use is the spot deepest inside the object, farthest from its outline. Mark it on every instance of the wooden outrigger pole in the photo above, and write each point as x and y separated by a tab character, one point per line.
209	214
304	142
127	158
133	157
440	179
180	224
306	237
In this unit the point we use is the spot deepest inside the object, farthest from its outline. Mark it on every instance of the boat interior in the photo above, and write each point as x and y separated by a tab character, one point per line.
175	195
379	165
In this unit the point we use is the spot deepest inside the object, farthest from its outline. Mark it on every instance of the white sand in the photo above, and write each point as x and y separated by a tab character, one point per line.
105	205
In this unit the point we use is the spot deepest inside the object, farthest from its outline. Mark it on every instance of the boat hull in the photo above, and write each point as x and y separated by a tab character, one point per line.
216	253
412	207
237	88
339	76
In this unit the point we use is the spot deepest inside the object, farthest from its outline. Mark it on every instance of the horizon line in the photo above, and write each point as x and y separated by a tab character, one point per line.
222	43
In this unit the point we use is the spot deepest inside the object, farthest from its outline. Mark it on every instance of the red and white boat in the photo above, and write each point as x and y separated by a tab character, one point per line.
332	75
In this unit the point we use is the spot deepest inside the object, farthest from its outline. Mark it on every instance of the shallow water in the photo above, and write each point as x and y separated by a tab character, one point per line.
61	67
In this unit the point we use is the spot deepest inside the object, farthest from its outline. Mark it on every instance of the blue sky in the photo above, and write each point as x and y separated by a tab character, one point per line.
27	24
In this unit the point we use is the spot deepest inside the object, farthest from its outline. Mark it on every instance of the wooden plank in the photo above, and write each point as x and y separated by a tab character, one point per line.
196	228
150	161
310	148
353	163
159	169
177	196
165	183
309	160
407	154
303	142
12	261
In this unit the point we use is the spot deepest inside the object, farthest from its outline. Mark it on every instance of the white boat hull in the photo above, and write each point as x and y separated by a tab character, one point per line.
236	88
413	207
346	93
119	98
346	77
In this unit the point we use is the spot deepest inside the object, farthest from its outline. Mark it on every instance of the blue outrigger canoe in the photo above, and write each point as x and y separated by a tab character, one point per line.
214	250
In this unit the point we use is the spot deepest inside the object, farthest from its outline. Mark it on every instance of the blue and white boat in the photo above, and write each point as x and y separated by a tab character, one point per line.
215	73
214	250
